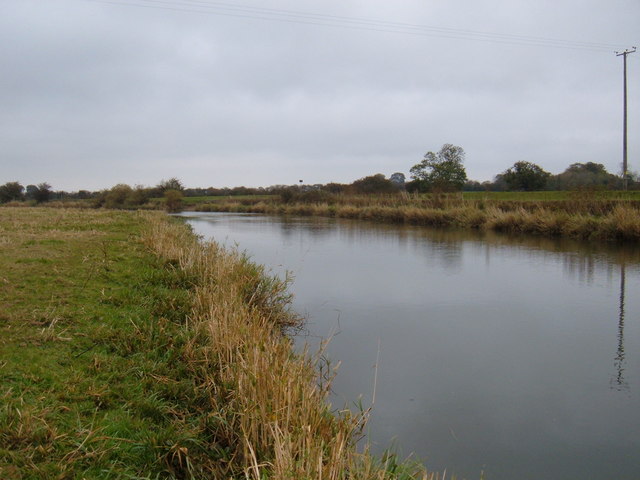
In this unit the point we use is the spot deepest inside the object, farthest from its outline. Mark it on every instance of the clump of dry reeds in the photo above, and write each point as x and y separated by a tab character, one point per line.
268	405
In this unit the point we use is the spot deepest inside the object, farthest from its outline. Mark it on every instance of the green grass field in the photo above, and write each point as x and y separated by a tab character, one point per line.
88	381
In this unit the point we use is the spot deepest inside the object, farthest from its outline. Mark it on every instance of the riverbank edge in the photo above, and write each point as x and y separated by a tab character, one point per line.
620	222
222	394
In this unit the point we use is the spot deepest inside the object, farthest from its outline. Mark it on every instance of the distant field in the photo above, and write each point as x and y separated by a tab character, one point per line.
224	198
497	196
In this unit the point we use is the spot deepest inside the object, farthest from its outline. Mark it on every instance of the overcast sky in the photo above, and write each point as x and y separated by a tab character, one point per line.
267	92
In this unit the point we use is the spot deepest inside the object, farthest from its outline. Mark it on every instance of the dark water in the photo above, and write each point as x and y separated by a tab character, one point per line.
516	357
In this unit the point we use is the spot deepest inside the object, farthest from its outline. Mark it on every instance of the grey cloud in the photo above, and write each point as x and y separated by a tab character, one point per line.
109	93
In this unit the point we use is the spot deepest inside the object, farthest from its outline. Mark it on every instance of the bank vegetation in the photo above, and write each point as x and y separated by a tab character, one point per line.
581	215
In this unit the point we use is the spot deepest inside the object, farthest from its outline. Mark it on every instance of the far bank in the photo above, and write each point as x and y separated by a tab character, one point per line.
611	216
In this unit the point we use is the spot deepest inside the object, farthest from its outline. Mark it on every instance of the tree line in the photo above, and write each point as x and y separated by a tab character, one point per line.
441	171
444	171
121	195
14	191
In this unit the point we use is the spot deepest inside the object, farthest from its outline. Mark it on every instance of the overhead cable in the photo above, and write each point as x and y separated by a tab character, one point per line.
356	23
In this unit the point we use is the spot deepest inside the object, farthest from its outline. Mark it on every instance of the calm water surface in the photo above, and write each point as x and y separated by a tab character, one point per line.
516	357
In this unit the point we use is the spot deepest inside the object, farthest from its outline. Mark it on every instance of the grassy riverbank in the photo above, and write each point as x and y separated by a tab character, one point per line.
130	350
583	215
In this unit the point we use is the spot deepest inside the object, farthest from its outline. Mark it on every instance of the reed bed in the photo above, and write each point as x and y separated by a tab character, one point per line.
268	406
581	216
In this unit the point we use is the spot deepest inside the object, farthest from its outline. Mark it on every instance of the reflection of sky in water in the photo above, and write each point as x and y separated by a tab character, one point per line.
506	354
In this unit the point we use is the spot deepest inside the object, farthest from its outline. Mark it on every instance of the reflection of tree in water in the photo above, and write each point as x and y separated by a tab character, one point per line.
584	266
618	381
581	260
314	226
440	246
444	248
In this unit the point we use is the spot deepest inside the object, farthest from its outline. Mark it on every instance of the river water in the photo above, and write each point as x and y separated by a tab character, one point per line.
514	357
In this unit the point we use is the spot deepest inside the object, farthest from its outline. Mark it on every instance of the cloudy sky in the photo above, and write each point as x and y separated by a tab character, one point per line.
95	93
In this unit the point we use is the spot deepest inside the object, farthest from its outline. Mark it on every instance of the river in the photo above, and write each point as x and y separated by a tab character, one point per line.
514	357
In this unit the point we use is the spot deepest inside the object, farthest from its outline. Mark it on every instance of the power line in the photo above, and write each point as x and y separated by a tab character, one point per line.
372	22
355	23
225	9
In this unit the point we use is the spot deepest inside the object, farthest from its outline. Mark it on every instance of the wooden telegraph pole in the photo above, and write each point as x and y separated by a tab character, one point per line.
624	122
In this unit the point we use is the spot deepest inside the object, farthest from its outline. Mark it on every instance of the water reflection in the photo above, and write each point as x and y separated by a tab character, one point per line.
618	382
495	351
581	260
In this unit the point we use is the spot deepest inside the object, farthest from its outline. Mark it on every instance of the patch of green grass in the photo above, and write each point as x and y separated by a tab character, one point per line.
222	198
91	333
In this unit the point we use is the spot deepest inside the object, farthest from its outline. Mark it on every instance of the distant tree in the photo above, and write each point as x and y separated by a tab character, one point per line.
398	179
474	186
525	176
584	175
44	192
498	184
171	184
194	192
139	196
442	171
216	192
377	183
173	201
633	179
242	190
589	167
11	191
83	194
40	193
30	192
117	196
288	194
123	196
335	187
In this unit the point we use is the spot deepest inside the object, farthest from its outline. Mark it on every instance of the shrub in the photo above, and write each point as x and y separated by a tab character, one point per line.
173	201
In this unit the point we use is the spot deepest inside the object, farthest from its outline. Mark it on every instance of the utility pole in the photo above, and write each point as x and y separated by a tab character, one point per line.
624	123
